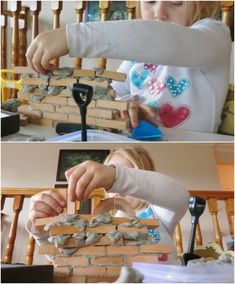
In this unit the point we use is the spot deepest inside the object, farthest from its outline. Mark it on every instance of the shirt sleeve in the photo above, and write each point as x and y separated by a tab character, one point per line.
206	44
122	88
160	190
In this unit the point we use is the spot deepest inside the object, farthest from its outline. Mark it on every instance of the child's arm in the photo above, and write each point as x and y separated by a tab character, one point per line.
206	44
156	188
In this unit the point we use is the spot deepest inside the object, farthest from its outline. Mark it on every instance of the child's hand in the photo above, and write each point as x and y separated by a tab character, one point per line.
46	204
138	111
86	177
45	47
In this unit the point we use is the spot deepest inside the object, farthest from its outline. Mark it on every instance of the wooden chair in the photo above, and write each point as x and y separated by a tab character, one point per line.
212	198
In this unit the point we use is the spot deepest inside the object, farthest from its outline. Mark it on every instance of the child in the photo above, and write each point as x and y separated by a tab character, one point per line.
183	80
129	173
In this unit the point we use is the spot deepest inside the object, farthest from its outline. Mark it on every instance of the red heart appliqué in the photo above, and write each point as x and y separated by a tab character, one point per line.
171	116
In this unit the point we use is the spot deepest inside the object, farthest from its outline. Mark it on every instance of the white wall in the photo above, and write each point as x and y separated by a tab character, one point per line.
35	164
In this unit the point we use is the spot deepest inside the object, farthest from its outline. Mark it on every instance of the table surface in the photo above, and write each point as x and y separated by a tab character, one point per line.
26	133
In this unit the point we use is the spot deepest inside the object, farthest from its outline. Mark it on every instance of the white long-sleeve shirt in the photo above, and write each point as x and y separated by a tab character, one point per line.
167	197
185	73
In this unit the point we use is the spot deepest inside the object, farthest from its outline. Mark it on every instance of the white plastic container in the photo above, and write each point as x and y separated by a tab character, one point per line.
163	273
92	135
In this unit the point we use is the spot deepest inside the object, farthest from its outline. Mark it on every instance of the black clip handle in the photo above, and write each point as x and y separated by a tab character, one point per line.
82	95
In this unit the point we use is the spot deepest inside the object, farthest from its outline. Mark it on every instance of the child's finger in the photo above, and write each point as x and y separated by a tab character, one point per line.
46	203
43	207
29	54
73	179
37	61
69	172
125	115
148	114
148	110
82	184
58	197
45	62
134	114
37	214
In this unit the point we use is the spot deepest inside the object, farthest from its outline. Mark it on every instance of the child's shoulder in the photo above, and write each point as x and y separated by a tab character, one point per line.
210	23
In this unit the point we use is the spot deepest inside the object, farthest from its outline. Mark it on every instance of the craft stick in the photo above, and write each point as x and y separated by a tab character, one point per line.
23	69
33	81
131	229
84	73
113	124
116	76
65	230
63	82
119	105
102	229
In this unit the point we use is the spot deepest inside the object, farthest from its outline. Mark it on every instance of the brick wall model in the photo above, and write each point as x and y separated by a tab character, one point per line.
49	110
102	261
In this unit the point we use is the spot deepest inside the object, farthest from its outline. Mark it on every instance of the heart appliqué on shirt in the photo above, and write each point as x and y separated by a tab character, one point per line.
150	67
171	116
175	88
131	64
139	79
156	87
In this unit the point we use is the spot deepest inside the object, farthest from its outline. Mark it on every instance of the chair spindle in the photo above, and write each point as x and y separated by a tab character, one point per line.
178	239
131	5
213	209
229	203
198	235
35	8
79	10
3	40
23	37
56	7
30	250
104	9
17	207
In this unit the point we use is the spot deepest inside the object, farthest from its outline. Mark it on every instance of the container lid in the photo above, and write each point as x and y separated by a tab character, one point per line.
92	135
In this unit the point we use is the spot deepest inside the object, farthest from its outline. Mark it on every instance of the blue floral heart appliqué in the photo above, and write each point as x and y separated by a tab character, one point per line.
175	88
139	79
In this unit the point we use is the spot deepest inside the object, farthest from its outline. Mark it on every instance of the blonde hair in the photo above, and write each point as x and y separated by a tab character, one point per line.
138	156
197	10
140	159
202	9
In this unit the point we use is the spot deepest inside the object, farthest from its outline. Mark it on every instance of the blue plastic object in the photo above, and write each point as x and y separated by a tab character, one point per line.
146	131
